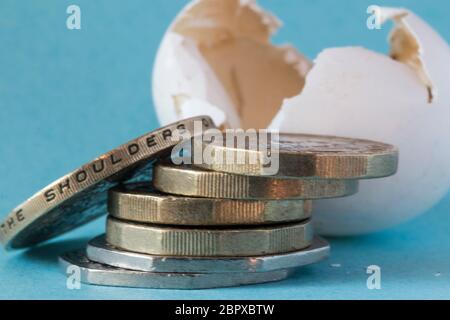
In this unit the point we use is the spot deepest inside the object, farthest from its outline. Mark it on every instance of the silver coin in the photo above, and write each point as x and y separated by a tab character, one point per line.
100	251
99	274
80	196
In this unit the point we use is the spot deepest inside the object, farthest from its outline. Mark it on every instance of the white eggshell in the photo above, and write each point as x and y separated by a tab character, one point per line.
349	92
358	93
180	70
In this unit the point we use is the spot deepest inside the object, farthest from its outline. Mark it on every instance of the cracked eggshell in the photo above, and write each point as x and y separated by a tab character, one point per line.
220	52
214	60
358	93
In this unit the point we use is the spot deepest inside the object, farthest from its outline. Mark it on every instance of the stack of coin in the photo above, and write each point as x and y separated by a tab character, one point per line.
197	226
222	224
213	242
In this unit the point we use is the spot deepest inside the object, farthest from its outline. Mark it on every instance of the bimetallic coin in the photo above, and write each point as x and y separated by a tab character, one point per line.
80	196
302	155
100	251
104	275
169	241
141	203
189	181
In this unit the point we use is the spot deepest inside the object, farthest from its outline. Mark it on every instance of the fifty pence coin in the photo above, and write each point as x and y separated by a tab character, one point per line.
104	275
190	181
301	155
141	203
80	196
100	251
171	241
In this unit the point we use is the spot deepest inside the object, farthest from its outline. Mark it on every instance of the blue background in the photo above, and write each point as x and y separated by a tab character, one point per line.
68	96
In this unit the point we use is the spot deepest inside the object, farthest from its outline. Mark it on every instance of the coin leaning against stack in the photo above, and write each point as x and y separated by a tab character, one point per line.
204	225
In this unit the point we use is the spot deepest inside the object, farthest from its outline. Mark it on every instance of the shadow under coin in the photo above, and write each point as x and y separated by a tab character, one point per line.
48	253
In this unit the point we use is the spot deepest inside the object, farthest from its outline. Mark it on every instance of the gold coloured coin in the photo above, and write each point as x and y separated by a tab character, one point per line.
190	181
141	203
301	155
170	241
80	196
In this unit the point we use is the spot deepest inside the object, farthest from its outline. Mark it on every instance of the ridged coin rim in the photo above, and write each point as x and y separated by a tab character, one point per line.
140	202
195	182
208	242
80	196
347	158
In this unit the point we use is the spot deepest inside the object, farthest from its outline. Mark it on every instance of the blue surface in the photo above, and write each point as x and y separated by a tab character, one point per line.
67	96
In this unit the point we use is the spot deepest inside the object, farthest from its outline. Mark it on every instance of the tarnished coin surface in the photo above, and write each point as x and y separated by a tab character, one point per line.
104	275
211	242
302	155
171	241
140	202
100	251
80	196
190	181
